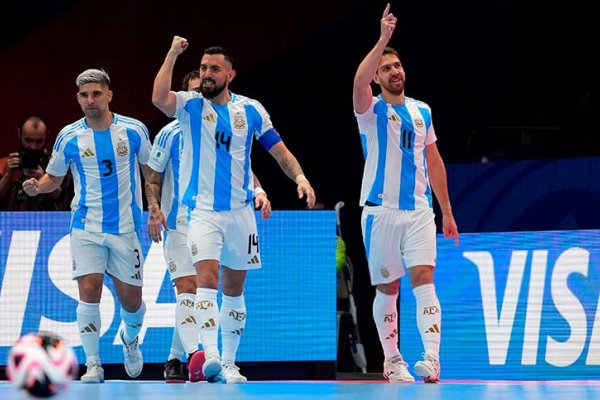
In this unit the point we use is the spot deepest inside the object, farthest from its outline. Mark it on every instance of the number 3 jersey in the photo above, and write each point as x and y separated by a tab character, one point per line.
106	173
216	144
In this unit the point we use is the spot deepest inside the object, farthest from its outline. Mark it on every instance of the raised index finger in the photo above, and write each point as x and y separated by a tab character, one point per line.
387	10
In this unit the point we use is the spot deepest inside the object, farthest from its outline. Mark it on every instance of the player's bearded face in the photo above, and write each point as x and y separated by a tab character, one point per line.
210	89
390	74
393	84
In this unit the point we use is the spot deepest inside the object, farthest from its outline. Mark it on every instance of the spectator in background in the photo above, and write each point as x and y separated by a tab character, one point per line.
30	162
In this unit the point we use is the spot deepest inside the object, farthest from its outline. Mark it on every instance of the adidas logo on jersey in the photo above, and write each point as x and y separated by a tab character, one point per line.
433	329
88	153
394	117
253	260
210	118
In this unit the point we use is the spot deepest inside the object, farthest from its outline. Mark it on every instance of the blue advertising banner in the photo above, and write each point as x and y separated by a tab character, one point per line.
291	301
528	195
514	306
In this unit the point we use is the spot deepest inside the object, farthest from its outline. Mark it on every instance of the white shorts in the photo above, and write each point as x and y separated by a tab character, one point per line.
393	236
230	237
177	255
120	256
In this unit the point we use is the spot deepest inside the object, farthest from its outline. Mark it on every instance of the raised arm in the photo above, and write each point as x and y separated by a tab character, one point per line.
290	165
162	96
362	94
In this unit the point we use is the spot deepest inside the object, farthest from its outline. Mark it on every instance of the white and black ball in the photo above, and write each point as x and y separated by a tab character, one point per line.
41	364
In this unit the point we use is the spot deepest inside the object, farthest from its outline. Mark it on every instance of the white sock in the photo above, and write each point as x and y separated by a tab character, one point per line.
385	314
88	319
233	321
186	322
208	320
133	322
429	317
176	350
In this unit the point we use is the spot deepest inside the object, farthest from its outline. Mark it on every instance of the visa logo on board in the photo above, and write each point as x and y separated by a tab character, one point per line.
19	281
579	338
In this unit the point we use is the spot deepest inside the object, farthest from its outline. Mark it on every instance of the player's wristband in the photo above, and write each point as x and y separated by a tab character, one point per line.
258	191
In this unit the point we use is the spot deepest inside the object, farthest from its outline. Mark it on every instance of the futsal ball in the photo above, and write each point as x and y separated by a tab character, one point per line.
41	364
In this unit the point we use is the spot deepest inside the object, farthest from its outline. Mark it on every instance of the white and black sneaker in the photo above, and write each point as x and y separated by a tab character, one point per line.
396	370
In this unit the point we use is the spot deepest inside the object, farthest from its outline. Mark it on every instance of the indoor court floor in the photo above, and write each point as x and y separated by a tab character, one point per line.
300	390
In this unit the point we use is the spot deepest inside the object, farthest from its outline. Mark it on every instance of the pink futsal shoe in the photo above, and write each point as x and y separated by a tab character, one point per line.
195	364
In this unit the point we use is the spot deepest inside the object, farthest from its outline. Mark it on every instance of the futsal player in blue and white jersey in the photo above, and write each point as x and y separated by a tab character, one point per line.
402	165
216	184
104	151
171	214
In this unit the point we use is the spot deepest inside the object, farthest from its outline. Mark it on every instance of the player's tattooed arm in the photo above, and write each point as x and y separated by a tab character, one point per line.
290	165
153	180
156	218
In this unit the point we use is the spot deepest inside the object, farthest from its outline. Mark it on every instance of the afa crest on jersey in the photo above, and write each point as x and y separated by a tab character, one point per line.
239	121
121	149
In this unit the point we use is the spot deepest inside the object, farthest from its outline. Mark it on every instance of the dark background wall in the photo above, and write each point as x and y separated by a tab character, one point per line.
505	79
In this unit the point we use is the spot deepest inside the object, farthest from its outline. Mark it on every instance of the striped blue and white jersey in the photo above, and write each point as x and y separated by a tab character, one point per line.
106	173
165	158
393	139
216	172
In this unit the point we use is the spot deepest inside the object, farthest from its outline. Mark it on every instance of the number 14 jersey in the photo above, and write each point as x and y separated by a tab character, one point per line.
216	172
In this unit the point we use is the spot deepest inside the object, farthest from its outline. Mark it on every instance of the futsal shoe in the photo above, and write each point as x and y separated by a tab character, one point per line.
396	370
132	357
94	374
231	374
212	370
429	368
175	371
194	366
